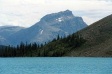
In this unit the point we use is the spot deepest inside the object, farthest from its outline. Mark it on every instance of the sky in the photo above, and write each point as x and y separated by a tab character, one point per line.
26	13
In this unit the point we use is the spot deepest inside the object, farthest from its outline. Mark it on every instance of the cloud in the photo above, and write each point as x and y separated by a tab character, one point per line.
27	12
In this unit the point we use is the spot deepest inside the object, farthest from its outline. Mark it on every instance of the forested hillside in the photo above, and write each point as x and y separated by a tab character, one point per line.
56	48
98	38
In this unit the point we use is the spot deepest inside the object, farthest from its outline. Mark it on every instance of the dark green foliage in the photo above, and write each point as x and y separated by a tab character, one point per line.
56	48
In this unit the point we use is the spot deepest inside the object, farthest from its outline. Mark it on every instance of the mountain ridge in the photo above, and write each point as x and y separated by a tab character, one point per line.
47	29
99	39
6	31
63	23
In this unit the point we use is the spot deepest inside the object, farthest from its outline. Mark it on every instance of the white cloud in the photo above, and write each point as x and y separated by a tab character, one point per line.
28	12
89	20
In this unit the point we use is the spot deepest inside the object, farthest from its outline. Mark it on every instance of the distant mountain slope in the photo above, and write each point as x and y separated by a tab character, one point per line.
48	28
6	31
99	39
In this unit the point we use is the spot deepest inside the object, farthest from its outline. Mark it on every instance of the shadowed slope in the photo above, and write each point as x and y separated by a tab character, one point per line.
99	39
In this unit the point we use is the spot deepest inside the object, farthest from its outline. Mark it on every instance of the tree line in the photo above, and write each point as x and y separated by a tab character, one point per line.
56	48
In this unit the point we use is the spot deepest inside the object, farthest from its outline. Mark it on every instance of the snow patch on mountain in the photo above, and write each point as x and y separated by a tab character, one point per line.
59	19
41	32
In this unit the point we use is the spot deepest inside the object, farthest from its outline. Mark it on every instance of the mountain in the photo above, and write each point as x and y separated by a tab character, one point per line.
49	27
6	32
92	41
99	39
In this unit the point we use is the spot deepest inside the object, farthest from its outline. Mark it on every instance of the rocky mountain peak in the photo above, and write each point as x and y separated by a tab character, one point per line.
58	16
66	12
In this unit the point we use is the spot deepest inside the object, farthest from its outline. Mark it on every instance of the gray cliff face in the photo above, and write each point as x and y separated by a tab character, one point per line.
48	28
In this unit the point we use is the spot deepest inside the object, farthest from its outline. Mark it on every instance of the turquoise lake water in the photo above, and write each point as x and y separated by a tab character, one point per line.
64	65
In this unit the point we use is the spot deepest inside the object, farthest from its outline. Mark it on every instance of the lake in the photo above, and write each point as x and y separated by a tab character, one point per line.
64	65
